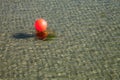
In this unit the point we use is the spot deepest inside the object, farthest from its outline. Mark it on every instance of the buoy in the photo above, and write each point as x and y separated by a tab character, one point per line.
40	25
41	30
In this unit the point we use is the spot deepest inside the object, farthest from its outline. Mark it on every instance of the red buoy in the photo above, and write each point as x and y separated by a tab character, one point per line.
41	28
40	25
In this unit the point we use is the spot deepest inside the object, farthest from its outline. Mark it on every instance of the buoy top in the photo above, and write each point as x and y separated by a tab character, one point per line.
40	25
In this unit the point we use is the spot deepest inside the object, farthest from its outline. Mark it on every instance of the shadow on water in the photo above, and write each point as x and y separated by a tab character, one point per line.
26	35
22	35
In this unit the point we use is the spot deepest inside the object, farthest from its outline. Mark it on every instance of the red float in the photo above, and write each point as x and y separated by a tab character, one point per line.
40	25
